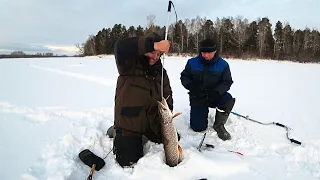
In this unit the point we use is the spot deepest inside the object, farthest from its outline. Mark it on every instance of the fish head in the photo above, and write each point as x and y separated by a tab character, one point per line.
164	110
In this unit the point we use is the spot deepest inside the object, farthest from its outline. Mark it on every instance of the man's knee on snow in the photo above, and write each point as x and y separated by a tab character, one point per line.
128	148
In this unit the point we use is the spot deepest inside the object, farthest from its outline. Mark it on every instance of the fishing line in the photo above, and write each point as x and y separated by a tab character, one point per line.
166	38
271	123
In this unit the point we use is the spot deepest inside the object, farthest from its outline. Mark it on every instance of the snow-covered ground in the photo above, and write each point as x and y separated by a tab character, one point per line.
51	109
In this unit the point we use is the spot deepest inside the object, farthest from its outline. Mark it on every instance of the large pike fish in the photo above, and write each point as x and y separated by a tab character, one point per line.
172	150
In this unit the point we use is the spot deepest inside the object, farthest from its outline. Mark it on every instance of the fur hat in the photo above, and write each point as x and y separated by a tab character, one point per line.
155	36
207	45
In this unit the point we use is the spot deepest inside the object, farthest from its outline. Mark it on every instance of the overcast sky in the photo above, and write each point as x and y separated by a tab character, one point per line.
57	25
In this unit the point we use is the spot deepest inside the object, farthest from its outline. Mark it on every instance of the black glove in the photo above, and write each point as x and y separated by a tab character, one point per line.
213	96
195	89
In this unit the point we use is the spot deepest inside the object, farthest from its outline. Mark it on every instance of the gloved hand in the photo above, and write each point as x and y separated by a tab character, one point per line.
195	89
213	96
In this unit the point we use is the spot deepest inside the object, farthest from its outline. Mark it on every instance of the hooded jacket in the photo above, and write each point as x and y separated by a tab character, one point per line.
139	87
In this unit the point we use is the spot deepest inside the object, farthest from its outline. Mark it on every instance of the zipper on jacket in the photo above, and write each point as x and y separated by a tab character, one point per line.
205	75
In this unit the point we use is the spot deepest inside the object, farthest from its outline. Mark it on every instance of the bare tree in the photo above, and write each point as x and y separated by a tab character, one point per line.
262	36
203	32
307	44
196	25
150	23
218	27
187	23
89	47
315	42
80	48
240	26
182	35
171	34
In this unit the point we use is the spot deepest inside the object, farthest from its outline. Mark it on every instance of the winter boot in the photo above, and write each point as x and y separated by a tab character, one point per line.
221	119
218	126
111	132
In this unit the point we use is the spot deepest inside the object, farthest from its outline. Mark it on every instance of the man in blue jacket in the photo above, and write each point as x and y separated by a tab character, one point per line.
208	78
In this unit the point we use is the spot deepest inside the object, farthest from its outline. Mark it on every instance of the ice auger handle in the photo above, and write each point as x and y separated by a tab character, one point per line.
281	125
295	141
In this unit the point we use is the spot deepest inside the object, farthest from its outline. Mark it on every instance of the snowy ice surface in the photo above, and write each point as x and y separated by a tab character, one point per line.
52	108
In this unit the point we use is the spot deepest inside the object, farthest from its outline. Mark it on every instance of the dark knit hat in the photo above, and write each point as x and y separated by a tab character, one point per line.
207	45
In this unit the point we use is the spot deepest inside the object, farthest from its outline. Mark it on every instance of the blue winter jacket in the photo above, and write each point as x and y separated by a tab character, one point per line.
210	75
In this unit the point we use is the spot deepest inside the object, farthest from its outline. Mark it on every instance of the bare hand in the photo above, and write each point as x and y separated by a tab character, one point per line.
162	46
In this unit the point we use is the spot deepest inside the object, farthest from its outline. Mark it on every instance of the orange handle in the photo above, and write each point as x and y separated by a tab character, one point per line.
91	172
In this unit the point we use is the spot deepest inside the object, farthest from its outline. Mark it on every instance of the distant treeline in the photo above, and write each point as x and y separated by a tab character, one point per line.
2	56
235	37
21	54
